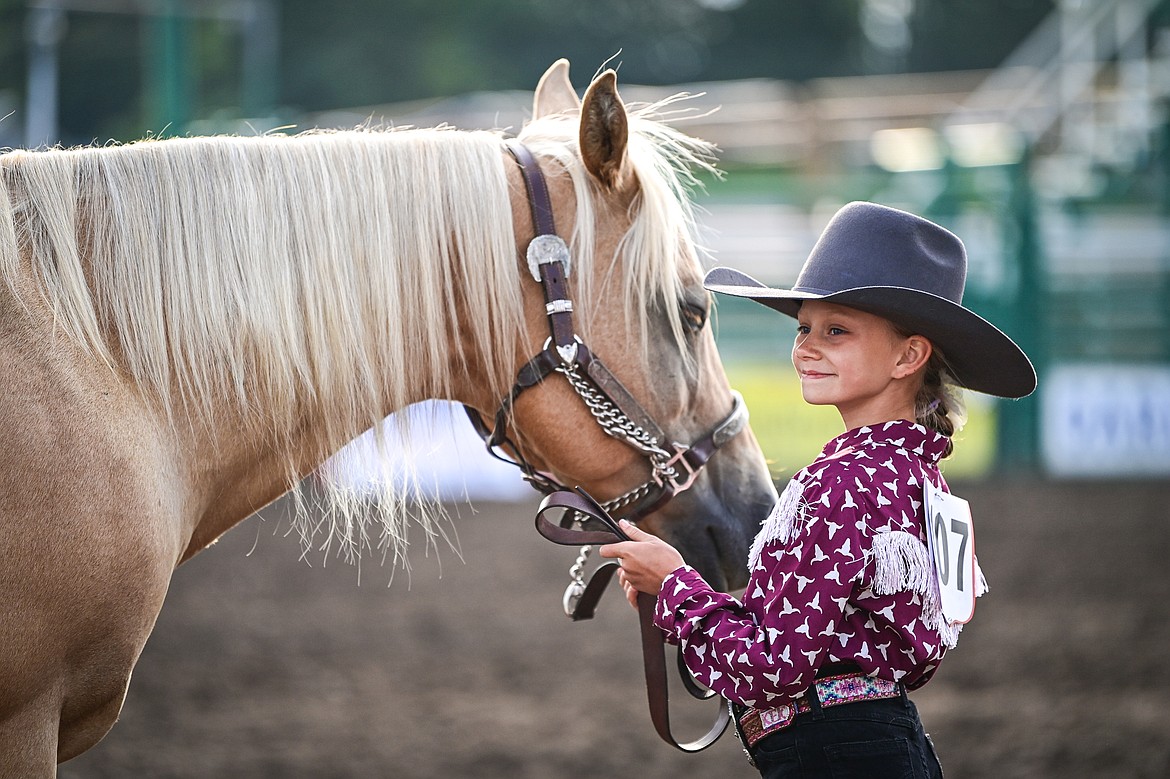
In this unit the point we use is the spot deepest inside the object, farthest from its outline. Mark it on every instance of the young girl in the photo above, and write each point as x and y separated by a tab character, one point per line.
842	612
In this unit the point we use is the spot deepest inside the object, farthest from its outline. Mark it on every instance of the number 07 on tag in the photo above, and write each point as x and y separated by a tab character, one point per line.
950	537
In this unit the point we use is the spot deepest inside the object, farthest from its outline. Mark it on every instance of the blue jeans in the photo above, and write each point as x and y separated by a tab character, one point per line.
867	740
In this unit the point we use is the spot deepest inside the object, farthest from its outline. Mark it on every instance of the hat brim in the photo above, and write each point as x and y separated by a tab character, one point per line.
979	355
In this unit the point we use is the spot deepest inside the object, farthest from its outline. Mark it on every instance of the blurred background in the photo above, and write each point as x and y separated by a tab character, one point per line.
1038	130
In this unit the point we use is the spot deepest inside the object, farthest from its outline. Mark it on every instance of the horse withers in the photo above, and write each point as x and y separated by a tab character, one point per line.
190	326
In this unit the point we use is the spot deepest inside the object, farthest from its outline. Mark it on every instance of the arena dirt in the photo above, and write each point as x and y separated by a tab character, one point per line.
265	665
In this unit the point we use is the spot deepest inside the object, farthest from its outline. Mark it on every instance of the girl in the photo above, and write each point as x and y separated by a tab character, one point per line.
842	613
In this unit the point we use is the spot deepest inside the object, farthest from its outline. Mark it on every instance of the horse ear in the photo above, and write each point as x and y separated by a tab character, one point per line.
604	130
554	93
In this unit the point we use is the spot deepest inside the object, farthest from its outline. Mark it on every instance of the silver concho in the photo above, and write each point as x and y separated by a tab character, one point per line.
545	249
568	352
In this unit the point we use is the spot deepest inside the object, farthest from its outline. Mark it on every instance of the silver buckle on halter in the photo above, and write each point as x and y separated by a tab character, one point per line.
667	474
546	249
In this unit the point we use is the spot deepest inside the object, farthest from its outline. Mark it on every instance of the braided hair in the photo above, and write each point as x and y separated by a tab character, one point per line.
939	405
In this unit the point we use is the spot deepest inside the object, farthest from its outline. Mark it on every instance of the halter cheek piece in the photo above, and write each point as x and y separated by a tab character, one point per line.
673	466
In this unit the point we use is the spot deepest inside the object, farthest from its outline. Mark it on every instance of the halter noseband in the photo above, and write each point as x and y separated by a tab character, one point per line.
674	466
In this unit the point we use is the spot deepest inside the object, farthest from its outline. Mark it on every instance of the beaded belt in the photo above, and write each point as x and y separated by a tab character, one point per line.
831	691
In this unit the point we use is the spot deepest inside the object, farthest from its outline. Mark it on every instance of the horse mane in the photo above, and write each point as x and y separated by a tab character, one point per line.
313	275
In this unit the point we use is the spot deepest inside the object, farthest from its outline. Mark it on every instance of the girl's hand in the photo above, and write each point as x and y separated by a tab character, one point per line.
646	561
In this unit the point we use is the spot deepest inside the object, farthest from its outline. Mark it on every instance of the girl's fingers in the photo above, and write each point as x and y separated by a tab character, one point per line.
613	550
631	594
634	532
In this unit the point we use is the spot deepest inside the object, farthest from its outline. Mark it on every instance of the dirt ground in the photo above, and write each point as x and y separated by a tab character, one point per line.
265	666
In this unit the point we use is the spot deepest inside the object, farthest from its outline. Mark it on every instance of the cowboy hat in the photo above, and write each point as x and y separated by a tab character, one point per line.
908	270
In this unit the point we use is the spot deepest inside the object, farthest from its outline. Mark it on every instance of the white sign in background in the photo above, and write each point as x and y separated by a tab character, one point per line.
1105	420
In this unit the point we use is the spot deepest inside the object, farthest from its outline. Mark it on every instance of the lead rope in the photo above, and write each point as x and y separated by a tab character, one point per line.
653	643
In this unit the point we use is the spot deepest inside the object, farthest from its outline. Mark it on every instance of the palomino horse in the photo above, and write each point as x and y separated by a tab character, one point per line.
190	326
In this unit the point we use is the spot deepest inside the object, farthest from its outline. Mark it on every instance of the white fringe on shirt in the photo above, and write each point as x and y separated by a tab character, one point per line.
780	524
902	563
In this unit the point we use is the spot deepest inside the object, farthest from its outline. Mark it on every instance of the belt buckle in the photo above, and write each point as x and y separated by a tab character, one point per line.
771	719
767	721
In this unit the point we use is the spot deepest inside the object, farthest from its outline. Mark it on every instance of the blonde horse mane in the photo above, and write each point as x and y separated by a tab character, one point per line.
315	275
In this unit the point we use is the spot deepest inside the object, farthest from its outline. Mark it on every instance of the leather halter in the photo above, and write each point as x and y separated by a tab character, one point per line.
674	466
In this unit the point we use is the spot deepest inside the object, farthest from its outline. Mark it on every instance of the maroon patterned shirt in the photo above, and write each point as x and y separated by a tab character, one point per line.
839	572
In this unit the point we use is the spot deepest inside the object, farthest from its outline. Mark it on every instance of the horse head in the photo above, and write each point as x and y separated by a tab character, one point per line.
618	186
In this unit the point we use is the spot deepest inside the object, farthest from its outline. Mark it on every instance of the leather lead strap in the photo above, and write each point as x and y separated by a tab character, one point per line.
653	644
654	662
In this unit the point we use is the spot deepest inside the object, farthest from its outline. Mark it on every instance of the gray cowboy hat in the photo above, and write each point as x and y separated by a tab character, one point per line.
906	269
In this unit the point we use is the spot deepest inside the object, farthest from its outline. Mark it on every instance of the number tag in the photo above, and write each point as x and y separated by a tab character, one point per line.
950	537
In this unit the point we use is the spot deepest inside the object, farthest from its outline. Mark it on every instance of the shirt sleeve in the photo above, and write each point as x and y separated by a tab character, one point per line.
767	647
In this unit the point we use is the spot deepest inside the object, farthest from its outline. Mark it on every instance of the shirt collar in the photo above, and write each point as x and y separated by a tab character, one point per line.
929	445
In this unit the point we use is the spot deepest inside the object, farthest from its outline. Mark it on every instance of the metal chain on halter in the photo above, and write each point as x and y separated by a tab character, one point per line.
628	498
617	424
576	586
611	418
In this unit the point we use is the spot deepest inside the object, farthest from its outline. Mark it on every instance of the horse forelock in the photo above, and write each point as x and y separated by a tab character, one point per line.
662	238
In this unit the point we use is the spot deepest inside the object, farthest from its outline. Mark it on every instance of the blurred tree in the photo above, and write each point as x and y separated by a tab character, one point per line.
793	41
12	69
961	35
362	52
423	48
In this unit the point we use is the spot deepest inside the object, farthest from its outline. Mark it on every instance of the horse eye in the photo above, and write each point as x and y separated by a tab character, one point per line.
694	316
